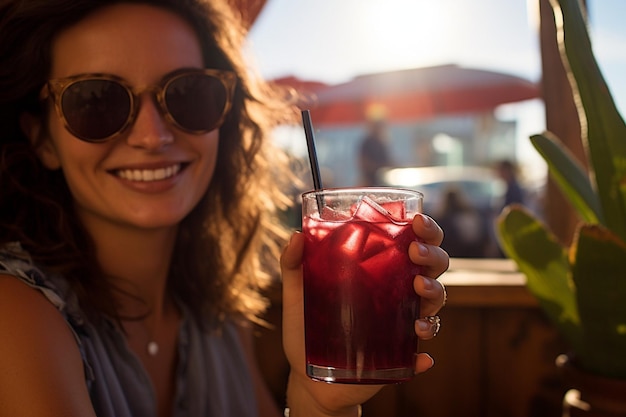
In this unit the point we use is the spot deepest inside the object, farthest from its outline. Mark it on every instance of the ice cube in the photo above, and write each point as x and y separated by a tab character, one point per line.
370	211
328	214
354	237
318	230
382	264
376	242
395	209
381	247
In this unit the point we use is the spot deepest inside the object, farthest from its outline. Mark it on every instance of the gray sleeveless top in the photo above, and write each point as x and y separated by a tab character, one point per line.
212	376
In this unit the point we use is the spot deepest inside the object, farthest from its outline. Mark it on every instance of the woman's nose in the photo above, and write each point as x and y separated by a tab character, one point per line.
149	130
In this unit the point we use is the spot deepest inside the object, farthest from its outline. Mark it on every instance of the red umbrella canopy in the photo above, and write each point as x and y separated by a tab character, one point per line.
304	87
419	93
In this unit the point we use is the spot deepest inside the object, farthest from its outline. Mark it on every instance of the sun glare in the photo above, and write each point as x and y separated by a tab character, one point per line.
403	33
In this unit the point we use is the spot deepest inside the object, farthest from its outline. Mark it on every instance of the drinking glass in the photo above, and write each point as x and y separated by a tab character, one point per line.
359	303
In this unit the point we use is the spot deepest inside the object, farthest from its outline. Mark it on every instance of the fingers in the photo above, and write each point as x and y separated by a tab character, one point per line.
291	258
433	295
427	327
433	260
426	251
427	230
424	363
291	267
293	320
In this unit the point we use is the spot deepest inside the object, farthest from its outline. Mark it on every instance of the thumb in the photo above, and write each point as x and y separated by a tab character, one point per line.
293	315
291	267
291	257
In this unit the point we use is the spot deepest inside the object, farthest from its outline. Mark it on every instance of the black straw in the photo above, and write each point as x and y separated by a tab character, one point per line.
315	168
310	143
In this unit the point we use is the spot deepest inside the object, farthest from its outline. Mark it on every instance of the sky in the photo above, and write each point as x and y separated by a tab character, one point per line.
336	40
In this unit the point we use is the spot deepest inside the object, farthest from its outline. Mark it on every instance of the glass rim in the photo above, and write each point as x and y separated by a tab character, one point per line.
362	190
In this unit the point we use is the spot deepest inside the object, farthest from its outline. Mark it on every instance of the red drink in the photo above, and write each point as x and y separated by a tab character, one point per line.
359	303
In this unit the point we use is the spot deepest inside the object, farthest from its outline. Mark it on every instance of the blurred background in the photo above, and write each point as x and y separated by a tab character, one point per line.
449	83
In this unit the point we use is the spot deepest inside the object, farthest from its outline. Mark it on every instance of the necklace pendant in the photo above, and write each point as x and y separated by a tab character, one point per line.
152	348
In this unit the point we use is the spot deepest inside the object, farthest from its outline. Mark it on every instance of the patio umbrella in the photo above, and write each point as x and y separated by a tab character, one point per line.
418	93
304	87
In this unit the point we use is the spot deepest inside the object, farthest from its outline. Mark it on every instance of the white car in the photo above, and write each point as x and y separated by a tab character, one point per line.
481	186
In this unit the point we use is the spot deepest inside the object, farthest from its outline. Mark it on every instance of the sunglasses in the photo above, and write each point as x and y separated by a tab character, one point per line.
98	107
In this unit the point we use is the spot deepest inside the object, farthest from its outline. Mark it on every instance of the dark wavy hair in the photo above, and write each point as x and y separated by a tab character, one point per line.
227	247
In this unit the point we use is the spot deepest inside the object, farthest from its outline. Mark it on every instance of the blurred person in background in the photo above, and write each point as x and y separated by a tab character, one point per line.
374	152
466	228
514	193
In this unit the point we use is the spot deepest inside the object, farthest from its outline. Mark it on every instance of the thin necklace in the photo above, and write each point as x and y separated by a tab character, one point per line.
152	348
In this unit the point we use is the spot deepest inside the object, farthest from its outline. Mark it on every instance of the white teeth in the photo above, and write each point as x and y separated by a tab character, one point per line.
147	175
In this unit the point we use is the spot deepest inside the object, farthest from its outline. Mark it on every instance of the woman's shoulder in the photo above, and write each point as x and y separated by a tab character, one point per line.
20	274
18	297
37	345
17	263
25	291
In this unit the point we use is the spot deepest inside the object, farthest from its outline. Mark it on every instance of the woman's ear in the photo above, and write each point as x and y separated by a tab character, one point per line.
32	127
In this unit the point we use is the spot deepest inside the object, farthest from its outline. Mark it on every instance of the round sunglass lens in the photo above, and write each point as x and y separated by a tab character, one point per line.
95	109
196	101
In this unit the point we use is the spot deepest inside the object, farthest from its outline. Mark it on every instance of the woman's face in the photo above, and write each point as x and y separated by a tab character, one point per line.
116	181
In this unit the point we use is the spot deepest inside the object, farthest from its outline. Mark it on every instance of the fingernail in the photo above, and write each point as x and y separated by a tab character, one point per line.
432	362
426	221
422	249
428	284
423	325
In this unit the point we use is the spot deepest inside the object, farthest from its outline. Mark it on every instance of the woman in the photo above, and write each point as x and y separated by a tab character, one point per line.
137	212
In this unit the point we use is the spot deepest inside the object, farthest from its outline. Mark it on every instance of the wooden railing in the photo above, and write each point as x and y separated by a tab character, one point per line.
494	354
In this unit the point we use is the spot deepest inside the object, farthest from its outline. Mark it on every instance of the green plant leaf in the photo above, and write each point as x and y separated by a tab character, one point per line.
582	291
543	260
570	176
598	273
604	131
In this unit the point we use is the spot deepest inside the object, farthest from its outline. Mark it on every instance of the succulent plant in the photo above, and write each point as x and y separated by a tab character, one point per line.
580	287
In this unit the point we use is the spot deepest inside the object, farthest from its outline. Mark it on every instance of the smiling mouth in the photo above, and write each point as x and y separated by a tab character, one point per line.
148	175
